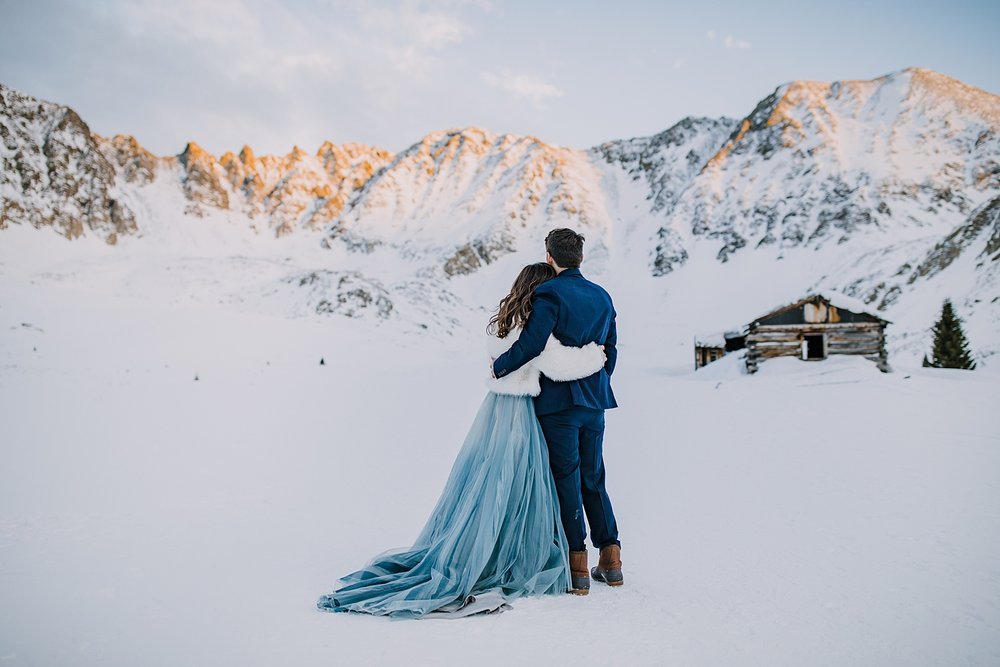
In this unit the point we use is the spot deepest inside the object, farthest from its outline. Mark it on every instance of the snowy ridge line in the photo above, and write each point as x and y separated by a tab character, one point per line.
873	189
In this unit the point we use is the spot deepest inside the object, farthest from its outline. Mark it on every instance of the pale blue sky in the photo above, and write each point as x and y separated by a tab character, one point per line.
276	73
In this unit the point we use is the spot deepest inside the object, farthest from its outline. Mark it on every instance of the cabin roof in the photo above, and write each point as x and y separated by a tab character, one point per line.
840	301
709	340
715	338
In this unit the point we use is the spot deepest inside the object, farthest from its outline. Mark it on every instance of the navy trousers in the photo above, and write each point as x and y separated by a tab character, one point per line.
575	438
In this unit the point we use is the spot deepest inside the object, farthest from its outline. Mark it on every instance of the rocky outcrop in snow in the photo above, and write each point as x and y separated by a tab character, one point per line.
132	161
202	180
52	173
299	190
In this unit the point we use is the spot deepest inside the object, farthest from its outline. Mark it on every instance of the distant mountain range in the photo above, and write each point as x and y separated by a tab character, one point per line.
890	184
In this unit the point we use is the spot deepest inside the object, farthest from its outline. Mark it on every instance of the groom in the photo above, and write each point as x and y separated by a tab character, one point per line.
576	311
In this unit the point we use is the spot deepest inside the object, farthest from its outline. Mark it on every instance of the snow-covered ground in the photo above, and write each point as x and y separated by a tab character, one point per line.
817	513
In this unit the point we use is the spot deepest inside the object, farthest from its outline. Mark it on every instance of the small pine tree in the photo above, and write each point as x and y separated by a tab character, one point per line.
951	348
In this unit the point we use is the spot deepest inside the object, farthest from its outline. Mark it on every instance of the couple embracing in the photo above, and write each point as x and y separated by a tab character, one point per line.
510	521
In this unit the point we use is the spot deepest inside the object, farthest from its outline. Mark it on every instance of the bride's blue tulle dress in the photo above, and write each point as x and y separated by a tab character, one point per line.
494	535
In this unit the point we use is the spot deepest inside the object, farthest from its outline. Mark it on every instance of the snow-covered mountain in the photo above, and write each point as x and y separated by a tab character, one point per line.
887	190
469	196
817	163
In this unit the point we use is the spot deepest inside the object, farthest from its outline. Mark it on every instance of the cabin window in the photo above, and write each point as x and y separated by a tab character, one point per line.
813	346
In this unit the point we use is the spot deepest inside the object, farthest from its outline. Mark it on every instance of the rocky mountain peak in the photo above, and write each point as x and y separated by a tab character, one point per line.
201	181
134	162
194	153
247	157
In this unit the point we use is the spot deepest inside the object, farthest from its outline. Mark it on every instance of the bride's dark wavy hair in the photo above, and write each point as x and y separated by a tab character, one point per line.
515	308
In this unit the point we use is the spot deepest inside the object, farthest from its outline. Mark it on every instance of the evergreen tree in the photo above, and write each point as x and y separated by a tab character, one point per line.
951	348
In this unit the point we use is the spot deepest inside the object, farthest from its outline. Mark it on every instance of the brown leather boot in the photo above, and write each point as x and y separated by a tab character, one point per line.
578	573
609	567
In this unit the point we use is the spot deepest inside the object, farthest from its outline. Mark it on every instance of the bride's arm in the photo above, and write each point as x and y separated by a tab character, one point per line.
563	363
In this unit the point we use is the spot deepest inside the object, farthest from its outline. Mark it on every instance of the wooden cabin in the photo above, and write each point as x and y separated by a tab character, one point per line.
811	328
816	327
709	347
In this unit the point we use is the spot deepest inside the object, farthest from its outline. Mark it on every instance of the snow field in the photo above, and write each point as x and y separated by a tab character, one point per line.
816	513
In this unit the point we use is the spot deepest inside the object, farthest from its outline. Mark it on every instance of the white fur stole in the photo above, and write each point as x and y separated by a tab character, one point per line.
557	361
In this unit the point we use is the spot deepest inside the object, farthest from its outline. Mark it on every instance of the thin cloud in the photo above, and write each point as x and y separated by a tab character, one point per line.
436	30
522	85
732	43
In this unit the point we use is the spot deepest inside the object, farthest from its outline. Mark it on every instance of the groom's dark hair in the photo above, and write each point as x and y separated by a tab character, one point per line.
566	247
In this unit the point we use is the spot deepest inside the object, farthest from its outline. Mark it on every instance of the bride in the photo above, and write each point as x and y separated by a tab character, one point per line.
495	533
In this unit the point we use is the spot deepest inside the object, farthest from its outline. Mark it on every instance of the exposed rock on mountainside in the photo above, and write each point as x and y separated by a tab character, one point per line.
345	293
668	162
201	180
978	236
134	162
983	224
299	190
52	173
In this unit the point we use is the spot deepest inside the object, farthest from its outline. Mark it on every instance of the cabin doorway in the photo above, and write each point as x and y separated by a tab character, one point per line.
813	346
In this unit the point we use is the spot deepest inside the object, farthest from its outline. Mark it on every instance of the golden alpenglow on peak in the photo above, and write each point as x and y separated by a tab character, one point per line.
195	154
247	156
965	97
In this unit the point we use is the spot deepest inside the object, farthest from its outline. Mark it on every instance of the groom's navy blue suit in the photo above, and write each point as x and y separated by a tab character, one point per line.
575	311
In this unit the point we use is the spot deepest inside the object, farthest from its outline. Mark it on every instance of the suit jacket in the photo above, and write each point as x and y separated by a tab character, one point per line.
575	311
